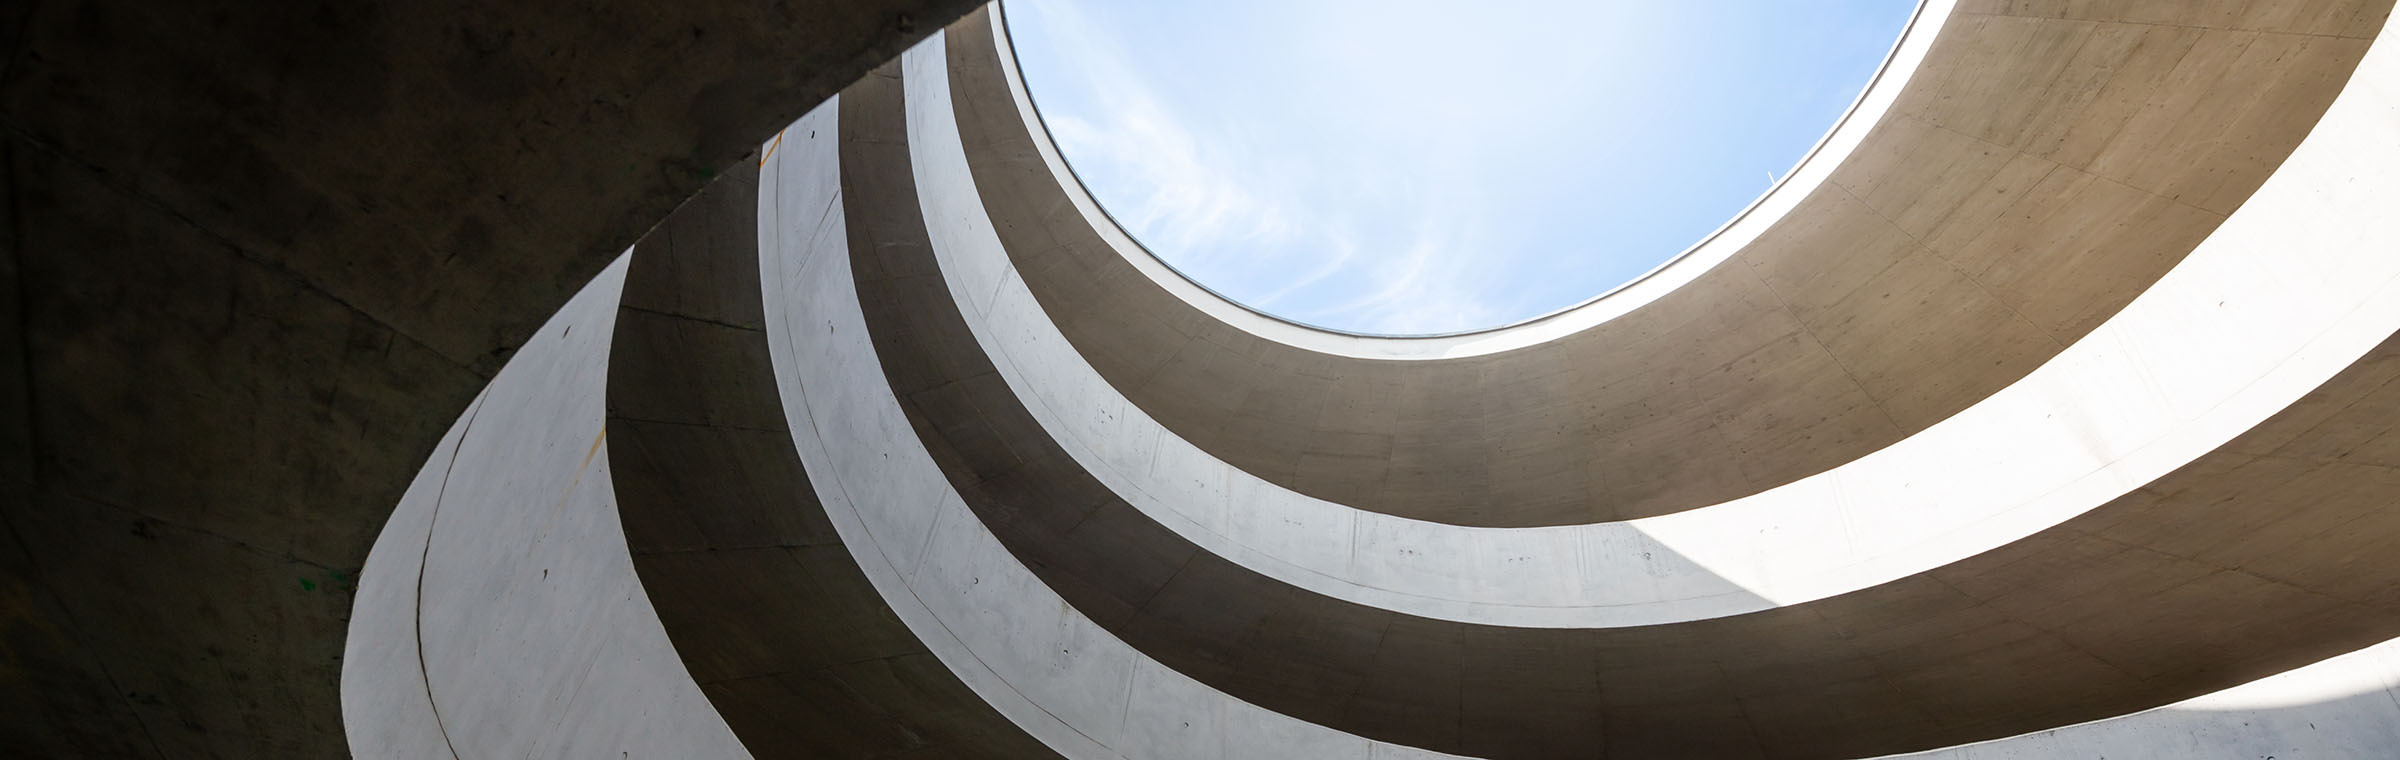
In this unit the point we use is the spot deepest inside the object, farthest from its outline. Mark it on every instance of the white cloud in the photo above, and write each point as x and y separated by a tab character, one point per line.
1179	184
1408	166
1425	288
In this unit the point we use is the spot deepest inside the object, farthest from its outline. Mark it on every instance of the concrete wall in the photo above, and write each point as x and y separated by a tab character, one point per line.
1037	660
2345	707
986	570
2028	179
261	258
2092	424
991	636
500	615
258	256
765	606
1964	651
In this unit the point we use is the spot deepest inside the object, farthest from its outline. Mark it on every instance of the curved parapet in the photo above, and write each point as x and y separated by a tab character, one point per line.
815	473
259	258
1033	657
2348	706
1263	642
499	613
2012	179
764	605
727	597
1975	650
2133	401
276	279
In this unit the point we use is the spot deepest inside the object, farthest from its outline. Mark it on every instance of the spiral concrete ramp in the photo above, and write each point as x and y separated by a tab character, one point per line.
2047	410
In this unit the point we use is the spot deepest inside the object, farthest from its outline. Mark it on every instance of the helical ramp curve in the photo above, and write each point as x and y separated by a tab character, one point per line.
2050	409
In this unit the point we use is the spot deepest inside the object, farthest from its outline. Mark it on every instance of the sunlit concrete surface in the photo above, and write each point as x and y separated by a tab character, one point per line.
2345	707
764	604
2132	400
260	257
499	613
1911	597
1025	650
1113	561
303	300
2026	180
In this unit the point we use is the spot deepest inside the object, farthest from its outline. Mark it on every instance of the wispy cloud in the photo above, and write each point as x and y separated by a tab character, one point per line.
1411	166
1273	241
1334	263
1171	188
1189	203
1424	288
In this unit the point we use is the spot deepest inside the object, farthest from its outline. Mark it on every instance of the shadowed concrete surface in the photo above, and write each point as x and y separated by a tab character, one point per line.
501	600
2340	708
2041	632
1027	652
2136	398
259	256
765	606
2045	164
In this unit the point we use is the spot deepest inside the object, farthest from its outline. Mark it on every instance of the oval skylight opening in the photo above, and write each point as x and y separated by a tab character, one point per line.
1410	168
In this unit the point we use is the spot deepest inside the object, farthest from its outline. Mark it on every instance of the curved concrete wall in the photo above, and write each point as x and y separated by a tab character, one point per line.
230	333
1873	102
898	552
1319	659
996	625
256	258
2032	177
2345	707
499	613
765	607
2093	424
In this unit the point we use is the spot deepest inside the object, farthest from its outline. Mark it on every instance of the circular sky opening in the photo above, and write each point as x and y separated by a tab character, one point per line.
1415	167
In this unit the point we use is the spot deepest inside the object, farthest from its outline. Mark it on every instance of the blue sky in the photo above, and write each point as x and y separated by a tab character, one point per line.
1404	167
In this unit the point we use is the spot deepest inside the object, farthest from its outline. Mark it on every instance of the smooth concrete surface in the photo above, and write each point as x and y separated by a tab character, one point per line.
1155	715
2165	593
255	259
2343	708
2093	423
994	623
2130	604
2031	176
765	607
386	702
507	619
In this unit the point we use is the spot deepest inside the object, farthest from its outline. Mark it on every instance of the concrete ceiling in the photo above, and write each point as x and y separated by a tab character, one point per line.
260	255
